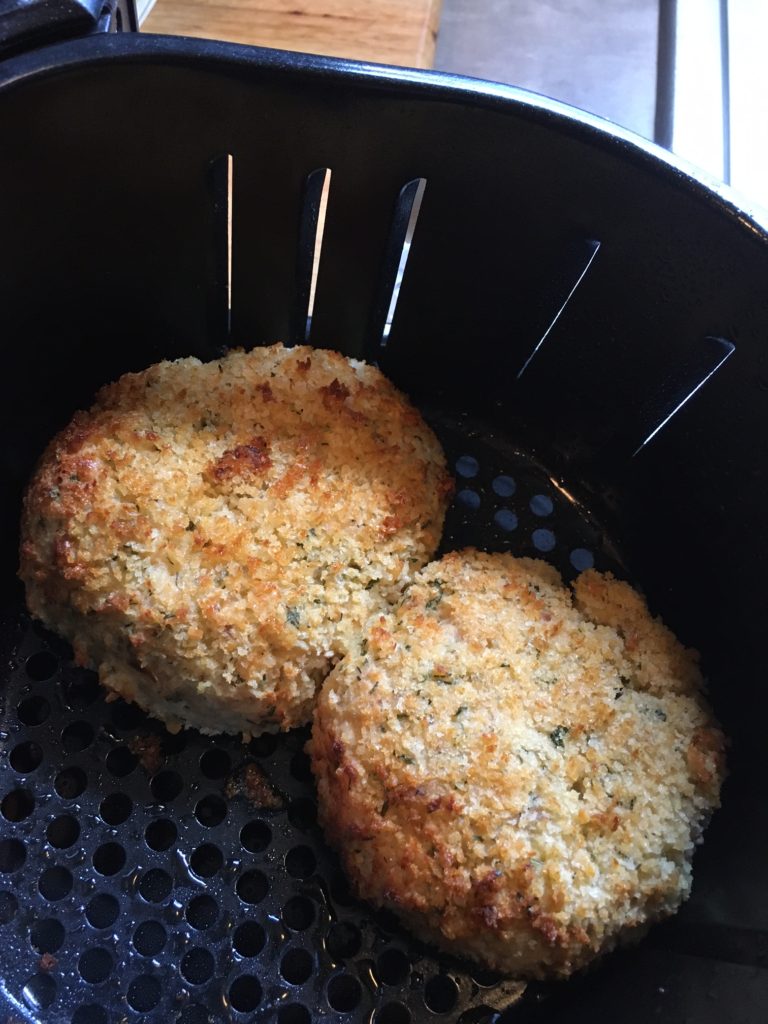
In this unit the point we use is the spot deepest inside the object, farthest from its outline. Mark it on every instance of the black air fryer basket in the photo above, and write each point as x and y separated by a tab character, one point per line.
583	322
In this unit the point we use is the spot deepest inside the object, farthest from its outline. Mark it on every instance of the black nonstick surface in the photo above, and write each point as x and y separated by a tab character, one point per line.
152	874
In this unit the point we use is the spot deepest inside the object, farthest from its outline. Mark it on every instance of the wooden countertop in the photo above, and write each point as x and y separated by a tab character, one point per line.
389	31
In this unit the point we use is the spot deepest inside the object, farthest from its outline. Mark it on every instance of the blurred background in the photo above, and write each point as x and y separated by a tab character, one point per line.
690	74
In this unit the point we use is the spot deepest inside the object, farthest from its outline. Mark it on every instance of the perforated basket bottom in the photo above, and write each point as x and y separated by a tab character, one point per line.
135	883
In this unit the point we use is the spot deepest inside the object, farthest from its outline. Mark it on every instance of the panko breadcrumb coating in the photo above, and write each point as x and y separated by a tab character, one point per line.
211	537
520	772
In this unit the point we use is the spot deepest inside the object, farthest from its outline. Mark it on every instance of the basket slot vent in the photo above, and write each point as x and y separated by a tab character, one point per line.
398	249
681	385
311	228
221	185
580	257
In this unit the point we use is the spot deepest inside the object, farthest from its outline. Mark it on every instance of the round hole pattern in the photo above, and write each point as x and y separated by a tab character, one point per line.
63	831
441	994
505	519
116	808
300	862
166	786
541	505
41	666
12	855
120	762
470	499
161	834
197	966
9	905
581	559
39	991
215	764
344	993
17	805
34	710
206	860
70	783
543	540
467	466
26	757
76	737
249	939
504	486
211	810
55	883
245	993
102	910
109	858
202	912
256	836
343	940
393	967
298	913
296	966
47	936
149	938
252	887
155	885
144	993
393	1013
95	965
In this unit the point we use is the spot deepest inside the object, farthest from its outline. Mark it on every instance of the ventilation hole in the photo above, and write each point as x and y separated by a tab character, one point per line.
582	559
399	246
95	965
293	1013
194	1013
249	939
109	858
90	1014
156	885
77	737
41	666
39	991
102	911
301	767
576	262
161	834
344	993
440	994
467	466
393	1013
211	810
296	966
469	499
81	691
206	860
311	229
302	814
116	808
12	855
486	978
34	710
149	938
47	936
55	883
215	764
300	862
505	520
172	743
202	912
543	540
127	717
17	805
143	993
166	786
393	967
245	993
26	757
252	887
256	836
340	891
541	505
298	913
264	745
8	906
343	940
120	762
63	831
505	487
70	783
197	966
683	383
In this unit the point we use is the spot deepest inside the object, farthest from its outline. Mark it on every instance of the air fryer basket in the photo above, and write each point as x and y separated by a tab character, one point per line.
567	289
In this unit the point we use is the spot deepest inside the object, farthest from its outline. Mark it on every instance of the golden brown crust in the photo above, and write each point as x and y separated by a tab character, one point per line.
521	783
211	537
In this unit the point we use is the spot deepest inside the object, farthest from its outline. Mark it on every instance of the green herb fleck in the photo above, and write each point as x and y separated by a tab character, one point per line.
660	714
460	711
437	597
402	715
406	758
370	584
292	616
558	735
363	646
191	526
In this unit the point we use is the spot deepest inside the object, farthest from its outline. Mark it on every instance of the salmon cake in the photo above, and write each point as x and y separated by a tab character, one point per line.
211	537
518	769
